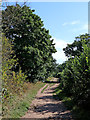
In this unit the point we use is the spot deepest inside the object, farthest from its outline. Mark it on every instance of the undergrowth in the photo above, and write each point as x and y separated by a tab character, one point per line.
18	105
78	113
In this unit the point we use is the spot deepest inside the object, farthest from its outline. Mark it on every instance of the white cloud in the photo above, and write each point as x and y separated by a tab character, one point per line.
59	55
75	22
71	23
60	43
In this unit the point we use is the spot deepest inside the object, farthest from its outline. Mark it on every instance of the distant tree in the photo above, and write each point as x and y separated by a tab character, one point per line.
76	47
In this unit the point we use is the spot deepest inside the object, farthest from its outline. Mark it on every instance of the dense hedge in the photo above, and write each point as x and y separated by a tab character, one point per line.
75	76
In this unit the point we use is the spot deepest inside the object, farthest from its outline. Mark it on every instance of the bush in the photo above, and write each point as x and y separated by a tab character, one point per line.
75	77
12	82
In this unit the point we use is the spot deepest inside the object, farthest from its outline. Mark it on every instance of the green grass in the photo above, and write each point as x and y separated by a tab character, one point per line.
51	84
49	79
18	106
77	113
44	89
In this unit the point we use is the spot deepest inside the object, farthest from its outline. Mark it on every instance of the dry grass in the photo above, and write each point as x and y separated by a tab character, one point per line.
19	104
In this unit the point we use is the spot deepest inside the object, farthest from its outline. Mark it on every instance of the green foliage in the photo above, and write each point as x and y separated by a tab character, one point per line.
32	43
81	70
17	106
75	76
76	47
27	54
44	89
77	112
59	69
12	82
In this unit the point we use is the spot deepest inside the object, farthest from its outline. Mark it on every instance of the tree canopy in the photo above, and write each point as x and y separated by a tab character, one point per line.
76	47
32	43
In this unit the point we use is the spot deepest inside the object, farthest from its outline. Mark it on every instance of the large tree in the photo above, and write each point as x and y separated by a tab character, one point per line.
32	43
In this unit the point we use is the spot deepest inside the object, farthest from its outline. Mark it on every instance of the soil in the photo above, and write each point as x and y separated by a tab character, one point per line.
44	106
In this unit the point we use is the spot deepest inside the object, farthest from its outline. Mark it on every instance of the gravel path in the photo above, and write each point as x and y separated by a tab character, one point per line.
46	107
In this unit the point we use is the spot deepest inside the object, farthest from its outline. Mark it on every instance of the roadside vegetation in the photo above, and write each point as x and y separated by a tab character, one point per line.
27	62
27	58
74	77
17	106
44	89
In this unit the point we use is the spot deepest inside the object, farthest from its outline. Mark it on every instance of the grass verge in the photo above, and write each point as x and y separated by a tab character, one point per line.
18	105
51	84
50	78
44	89
77	112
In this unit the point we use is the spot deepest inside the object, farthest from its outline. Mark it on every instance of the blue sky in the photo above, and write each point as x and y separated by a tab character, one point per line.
64	20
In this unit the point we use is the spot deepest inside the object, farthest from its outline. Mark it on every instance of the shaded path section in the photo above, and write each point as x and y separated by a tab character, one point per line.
45	106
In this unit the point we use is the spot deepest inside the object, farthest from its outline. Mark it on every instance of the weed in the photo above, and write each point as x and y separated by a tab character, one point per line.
18	105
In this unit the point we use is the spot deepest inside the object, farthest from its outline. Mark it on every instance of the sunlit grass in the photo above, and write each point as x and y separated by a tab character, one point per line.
18	105
44	89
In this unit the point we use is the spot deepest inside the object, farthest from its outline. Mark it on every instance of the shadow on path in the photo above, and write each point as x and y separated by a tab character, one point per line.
45	107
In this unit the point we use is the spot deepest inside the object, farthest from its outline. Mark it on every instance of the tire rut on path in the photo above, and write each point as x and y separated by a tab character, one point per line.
45	106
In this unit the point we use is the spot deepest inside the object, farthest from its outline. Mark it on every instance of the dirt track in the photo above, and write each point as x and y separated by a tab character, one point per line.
45	106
